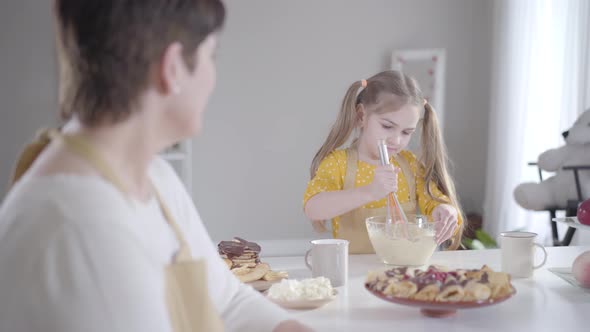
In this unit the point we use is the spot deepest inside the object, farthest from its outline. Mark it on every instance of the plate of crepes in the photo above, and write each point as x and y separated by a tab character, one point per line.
306	294
243	259
439	291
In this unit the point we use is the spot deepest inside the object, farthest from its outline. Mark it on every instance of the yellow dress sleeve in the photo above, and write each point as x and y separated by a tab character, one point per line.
329	176
426	203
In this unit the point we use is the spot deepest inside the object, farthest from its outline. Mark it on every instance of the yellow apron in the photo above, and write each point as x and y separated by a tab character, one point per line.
352	224
187	298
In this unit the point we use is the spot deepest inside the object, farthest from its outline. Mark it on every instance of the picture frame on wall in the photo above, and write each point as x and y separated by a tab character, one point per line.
427	66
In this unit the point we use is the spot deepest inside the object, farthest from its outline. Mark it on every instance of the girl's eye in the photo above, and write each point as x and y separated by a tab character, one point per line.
407	133
386	126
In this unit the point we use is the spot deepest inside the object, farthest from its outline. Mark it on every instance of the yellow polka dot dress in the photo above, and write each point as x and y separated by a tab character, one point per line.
332	170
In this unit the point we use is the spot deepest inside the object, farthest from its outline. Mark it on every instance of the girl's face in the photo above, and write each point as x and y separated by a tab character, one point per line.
395	127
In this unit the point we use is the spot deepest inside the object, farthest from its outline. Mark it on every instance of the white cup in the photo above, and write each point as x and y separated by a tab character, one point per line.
329	258
518	253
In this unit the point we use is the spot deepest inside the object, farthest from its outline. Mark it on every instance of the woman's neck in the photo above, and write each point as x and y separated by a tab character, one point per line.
127	147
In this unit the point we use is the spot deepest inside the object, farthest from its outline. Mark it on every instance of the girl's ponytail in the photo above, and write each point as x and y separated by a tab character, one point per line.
341	129
435	160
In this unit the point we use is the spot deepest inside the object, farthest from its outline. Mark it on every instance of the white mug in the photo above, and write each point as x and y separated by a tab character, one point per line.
518	253
329	258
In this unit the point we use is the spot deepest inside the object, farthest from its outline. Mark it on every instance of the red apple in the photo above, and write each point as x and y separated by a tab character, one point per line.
584	212
581	269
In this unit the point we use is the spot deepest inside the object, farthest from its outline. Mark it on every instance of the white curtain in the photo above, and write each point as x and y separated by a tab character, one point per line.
539	86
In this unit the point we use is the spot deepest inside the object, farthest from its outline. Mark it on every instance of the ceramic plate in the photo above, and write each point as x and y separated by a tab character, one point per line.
565	273
304	304
437	308
262	285
572	222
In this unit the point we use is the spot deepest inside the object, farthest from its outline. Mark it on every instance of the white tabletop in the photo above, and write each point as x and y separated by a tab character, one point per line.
543	302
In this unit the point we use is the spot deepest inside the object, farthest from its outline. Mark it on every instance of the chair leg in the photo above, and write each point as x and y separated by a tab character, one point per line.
568	236
554	233
572	209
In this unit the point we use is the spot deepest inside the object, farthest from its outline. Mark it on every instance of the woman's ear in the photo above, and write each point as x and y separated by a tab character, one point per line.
169	71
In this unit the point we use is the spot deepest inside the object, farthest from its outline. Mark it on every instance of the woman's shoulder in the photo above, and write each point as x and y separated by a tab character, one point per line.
75	192
46	210
78	201
60	198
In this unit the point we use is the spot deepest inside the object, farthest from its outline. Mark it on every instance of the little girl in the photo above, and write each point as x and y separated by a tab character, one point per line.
349	185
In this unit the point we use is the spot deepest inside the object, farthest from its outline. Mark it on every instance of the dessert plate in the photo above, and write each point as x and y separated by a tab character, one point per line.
438	308
302	304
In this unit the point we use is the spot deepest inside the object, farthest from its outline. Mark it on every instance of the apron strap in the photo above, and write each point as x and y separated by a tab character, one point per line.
351	167
82	148
410	179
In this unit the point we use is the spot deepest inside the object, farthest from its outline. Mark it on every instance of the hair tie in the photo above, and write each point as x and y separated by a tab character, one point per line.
364	83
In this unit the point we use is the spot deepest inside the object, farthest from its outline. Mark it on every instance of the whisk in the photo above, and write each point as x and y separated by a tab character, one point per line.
394	211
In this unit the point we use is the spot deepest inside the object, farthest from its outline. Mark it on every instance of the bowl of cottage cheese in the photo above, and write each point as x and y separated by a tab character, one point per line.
302	294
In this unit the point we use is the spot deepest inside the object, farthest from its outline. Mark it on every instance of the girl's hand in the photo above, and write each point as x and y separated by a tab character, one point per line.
445	222
384	182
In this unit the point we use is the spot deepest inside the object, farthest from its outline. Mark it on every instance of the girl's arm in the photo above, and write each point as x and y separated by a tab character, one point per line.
445	215
426	203
329	204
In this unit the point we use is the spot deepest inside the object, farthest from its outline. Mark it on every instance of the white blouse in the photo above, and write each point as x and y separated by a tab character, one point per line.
77	255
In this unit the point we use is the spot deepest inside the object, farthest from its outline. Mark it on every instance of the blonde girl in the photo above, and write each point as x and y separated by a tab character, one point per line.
348	185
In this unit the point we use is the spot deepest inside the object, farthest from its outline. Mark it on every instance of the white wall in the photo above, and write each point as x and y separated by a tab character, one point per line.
28	90
283	69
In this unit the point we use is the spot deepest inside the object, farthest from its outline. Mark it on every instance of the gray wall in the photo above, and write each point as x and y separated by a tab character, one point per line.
283	69
28	90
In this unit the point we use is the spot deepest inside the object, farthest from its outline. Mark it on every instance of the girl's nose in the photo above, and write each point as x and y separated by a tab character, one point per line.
394	140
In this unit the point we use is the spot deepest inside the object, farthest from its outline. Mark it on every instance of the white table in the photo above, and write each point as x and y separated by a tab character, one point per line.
544	302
